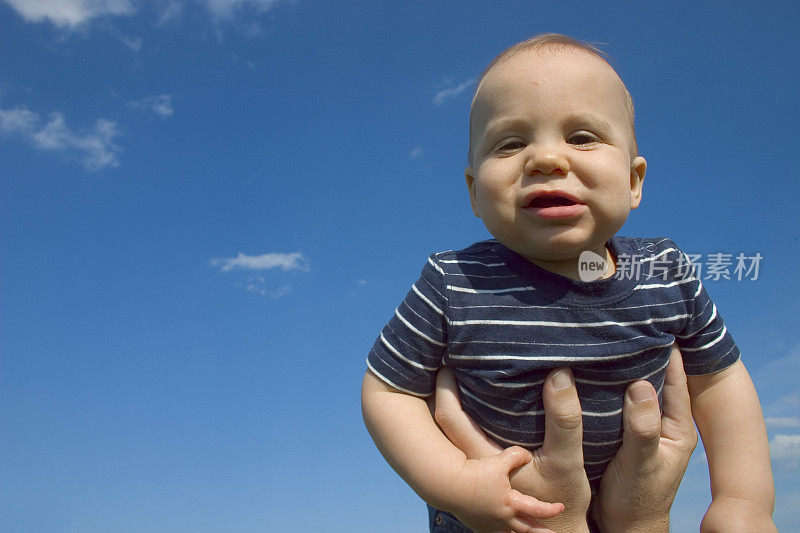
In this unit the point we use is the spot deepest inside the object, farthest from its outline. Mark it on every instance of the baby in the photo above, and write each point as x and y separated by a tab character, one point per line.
553	173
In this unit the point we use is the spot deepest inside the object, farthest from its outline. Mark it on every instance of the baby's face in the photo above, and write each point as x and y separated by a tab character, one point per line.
552	171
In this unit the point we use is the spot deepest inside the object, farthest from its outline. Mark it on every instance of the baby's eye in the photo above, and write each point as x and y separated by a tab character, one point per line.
510	145
582	137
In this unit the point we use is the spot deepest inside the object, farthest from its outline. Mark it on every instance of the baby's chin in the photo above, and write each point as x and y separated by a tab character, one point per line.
557	250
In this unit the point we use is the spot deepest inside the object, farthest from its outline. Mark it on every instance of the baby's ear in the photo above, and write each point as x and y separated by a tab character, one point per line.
473	197
638	169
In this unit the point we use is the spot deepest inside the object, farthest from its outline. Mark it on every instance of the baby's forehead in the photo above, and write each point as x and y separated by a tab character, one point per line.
549	65
542	65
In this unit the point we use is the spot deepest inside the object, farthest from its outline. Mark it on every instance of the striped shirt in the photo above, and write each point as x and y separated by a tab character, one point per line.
502	324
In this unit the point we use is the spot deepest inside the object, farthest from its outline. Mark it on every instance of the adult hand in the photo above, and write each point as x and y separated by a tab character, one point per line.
639	485
555	474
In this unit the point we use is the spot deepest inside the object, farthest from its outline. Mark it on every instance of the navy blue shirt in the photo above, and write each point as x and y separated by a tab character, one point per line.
501	323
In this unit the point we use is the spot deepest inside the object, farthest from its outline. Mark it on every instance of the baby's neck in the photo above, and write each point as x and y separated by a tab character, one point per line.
569	268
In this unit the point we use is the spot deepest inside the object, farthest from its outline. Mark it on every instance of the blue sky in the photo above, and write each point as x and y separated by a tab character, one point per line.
209	209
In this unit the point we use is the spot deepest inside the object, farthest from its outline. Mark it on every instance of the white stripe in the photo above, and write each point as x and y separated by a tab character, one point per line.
606	443
598	462
516	385
705	363
389	382
415	330
565	324
661	304
558	358
651	258
662	285
539	443
437	267
426	300
709	345
516	443
406	359
653	373
596	414
464	262
567	344
704	326
553	307
499	410
489	291
483	277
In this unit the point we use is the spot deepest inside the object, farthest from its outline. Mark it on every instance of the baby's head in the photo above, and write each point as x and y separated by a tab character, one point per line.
553	164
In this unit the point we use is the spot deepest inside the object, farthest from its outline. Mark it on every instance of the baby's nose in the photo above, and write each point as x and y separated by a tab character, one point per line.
547	162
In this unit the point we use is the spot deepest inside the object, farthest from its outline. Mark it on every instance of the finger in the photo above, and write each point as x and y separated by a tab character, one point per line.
641	420
563	426
457	425
677	420
514	457
530	507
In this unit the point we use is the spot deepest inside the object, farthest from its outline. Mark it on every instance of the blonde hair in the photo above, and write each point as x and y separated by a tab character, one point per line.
555	41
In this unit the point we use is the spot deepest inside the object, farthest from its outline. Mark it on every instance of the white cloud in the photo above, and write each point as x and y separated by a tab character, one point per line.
225	9
94	148
290	261
159	104
452	92
791	399
133	43
257	287
415	153
69	13
782	421
785	447
170	12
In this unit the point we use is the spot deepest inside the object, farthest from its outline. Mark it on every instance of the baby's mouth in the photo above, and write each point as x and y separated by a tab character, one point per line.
554	204
551	201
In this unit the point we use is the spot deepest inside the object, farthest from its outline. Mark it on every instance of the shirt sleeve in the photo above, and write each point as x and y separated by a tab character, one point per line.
706	344
410	348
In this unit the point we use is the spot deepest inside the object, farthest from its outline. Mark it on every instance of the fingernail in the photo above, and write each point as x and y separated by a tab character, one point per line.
561	380
641	393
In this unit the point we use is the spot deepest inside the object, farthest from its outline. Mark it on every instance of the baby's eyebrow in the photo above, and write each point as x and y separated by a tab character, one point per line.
592	121
503	124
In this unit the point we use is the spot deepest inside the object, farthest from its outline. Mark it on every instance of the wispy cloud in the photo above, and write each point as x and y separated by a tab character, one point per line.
415	152
451	92
95	148
69	13
290	261
254	280
225	9
258	288
785	447
160	104
132	43
169	12
782	421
